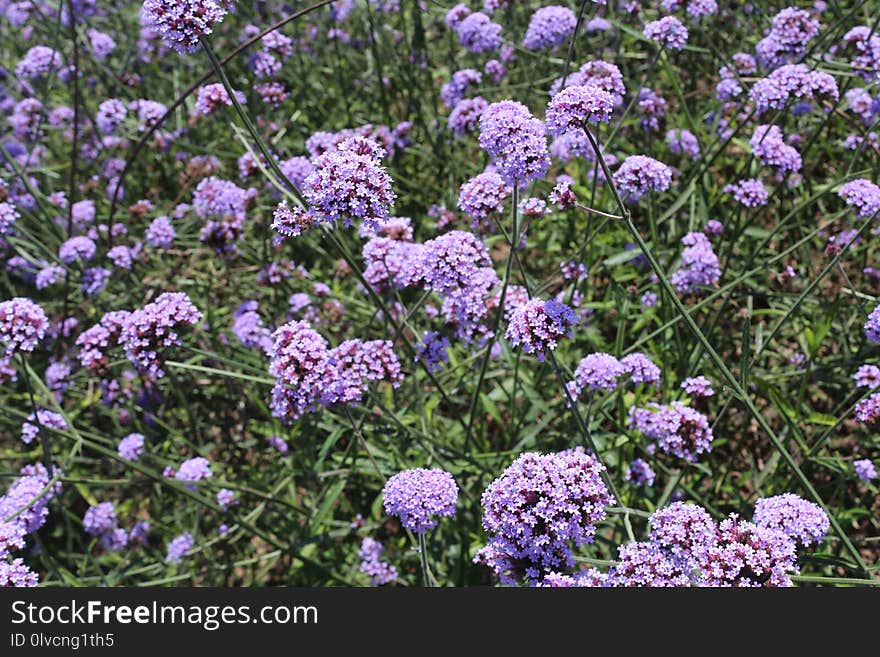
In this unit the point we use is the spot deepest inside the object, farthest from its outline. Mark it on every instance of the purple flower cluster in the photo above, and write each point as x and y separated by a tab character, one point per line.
146	333
863	195
677	428
43	419
182	23
872	326
549	27
38	62
698	386
574	106
308	374
179	547
465	116
792	81
100	521
669	32
802	521
478	33
160	233
418	497
350	182
640	174
538	510
683	142
131	447
212	96
483	195
537	326
22	326
8	215
640	473
750	193
452	93
433	351
791	30
770	148
699	264
516	142
380	572
194	469
95	343
864	469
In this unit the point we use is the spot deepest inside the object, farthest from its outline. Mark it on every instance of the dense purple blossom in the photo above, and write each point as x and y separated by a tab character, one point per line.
452	93
380	572
194	469
537	326
640	174
417	497
865	470
212	96
643	564
640	473
863	195
699	264
38	62
668	32
640	368
683	142
182	23
574	106
131	447
450	262
770	148
483	195
160	233
100	519
433	351
872	326
677	428
803	521
538	510
698	386
22	326
549	27
516	142
179	547
465	116
597	371
8	215
44	419
750	193
478	33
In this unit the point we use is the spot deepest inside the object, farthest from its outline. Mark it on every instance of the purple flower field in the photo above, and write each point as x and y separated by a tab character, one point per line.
400	293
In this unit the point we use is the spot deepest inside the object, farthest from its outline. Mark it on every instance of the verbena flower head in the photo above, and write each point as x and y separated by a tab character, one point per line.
538	510
350	183
640	368
770	148
8	215
290	222
451	261
194	469
751	192
452	93
179	547
38	62
538	325
516	142
797	518
640	174
418	497
95	343
22	326
549	27
698	386
433	351
146	333
872	326
182	23
682	529
44	419
574	106
868	410
131	447
643	564
478	33
100	519
483	195
77	248
298	361
668	32
597	371
640	473
865	470
160	233
677	428
465	116
699	264
212	96
867	376
683	142
863	195
379	571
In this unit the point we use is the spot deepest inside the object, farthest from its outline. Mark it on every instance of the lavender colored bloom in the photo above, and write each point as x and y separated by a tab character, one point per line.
872	326
26	500
597	371
549	27
433	351
379	571
225	498
483	195
538	325
750	193
649	299
640	473
94	280
802	521
653	108
792	81
110	115
22	325
179	547
289	222
668	32
146	333
640	368
515	141
770	148
538	509
44	419
8	215
58	377
297	169
76	248
278	443
562	195
868	409
138	533
160	233
699	265
390	263
478	33
683	142
452	93
131	447
495	70
746	555
865	469
867	376
572	107
148	111
350	183
49	276
455	15
698	386
96	342
677	428
100	519
451	261
682	529
249	329
639	174
194	469
465	116
38	62
418	496
182	23
102	44
863	195
643	564
212	96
